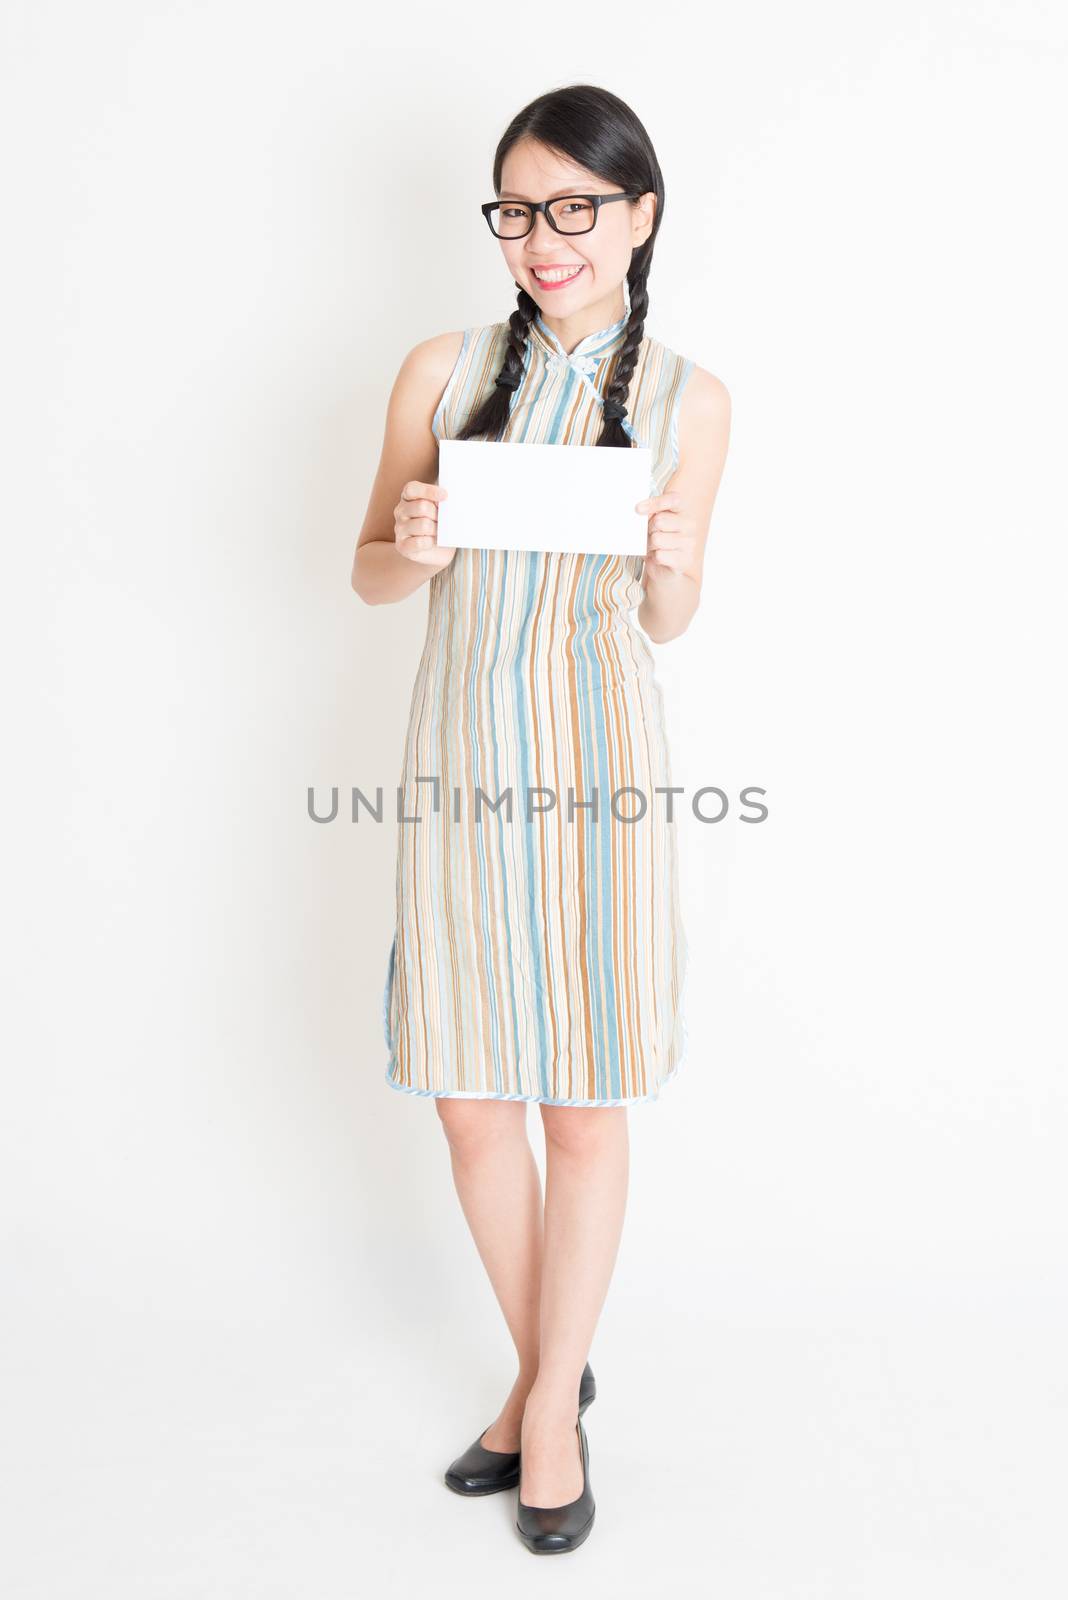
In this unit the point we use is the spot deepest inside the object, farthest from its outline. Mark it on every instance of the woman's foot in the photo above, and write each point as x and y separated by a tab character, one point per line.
545	1530
551	1454
487	1466
504	1431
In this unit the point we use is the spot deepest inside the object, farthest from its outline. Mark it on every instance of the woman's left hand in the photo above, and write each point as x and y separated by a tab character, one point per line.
673	537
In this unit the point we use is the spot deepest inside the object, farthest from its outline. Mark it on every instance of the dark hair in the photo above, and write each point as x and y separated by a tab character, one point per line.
600	132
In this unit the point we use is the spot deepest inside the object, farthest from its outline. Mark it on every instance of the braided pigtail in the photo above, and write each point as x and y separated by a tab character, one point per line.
488	422
615	395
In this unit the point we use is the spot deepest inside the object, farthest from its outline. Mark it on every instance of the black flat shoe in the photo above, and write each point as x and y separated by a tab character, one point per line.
482	1471
549	1529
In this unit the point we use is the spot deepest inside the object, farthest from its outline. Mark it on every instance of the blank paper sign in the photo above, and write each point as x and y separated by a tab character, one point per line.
544	497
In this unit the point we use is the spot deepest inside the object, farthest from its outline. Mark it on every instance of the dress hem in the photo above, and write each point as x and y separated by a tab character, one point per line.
542	1099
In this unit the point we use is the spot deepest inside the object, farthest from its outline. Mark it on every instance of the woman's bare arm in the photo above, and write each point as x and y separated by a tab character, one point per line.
380	574
671	599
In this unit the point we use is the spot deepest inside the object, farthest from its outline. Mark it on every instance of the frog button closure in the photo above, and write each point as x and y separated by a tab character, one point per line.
587	365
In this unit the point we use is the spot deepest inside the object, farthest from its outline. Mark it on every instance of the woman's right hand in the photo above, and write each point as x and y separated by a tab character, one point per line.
415	525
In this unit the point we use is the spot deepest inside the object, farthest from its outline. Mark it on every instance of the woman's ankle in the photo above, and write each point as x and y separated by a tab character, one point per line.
553	1401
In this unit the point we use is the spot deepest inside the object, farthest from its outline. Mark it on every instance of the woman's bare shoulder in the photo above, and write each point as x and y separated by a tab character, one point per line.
431	360
704	396
707	396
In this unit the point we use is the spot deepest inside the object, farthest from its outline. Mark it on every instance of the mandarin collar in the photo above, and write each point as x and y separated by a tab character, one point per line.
589	351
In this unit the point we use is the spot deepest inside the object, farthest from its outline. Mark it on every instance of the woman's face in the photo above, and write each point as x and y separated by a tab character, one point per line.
531	171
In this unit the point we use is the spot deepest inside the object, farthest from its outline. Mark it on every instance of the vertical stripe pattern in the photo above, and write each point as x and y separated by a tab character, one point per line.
538	952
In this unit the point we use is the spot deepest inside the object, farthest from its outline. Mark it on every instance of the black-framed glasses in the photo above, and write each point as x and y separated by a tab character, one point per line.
569	213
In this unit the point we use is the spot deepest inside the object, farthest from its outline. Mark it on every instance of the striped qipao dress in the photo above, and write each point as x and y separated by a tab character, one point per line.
541	956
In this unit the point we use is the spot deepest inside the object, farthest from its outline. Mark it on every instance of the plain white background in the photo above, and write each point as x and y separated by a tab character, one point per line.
245	1327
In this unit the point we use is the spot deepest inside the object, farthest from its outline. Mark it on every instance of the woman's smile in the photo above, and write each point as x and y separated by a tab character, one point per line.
555	277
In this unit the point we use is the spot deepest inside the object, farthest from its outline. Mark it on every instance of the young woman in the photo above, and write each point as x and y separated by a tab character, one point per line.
543	958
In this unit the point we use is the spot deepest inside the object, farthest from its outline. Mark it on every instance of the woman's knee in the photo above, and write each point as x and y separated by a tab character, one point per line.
474	1125
583	1130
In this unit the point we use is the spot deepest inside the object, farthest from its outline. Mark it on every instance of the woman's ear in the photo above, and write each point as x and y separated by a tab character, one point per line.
644	217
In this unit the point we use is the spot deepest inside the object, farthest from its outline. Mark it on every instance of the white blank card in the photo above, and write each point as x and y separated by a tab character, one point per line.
544	496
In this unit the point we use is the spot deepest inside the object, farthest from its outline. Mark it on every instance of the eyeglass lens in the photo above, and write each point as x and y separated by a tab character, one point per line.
572	214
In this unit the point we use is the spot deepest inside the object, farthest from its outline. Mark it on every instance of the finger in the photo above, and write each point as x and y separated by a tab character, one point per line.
668	560
659	542
423	491
668	520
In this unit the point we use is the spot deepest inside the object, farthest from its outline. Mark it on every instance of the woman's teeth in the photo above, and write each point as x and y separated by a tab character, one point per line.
557	274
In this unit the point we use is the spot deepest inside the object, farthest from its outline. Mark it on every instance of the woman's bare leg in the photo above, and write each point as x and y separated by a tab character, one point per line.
587	1158
499	1186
